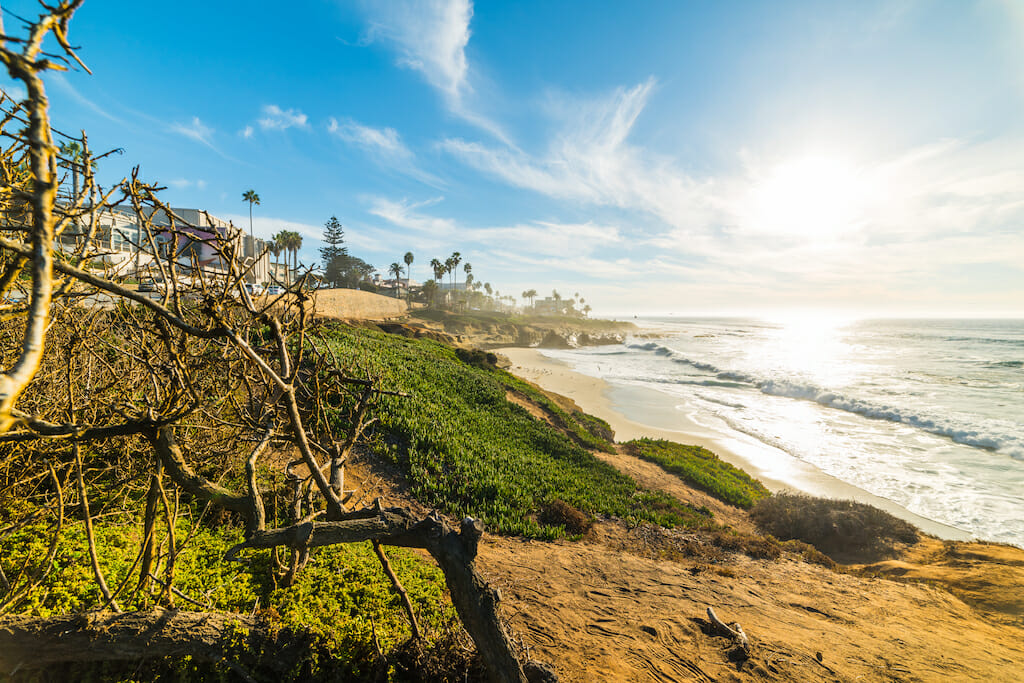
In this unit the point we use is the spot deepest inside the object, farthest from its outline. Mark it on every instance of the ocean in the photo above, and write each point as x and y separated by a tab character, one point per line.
926	413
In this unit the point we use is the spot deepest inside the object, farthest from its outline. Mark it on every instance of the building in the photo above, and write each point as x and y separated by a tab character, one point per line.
196	237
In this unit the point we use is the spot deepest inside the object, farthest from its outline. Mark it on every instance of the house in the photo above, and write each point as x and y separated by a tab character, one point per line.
196	237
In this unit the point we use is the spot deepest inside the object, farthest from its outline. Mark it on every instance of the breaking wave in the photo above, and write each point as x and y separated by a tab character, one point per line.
960	434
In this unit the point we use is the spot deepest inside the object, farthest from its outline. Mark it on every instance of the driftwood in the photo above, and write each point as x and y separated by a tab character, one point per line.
735	632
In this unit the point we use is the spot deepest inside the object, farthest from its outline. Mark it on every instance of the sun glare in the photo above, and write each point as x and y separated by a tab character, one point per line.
814	196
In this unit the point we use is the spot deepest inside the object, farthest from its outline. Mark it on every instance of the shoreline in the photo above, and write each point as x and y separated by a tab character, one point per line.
776	469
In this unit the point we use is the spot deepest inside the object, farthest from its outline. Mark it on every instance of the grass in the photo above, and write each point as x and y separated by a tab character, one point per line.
842	529
337	602
701	468
469	451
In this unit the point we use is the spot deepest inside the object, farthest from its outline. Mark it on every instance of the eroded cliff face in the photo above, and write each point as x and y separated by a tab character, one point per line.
563	334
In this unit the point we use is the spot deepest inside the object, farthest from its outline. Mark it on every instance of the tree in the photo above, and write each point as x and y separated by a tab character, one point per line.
531	295
430	291
253	198
73	158
453	262
439	270
161	397
333	250
292	243
277	247
408	258
395	269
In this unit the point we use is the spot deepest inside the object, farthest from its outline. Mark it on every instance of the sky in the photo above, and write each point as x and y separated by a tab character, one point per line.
662	157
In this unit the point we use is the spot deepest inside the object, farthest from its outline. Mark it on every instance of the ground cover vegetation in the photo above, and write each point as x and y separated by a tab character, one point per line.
467	449
701	468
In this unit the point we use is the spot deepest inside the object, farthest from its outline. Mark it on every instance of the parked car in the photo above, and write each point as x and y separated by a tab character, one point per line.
151	284
253	288
275	290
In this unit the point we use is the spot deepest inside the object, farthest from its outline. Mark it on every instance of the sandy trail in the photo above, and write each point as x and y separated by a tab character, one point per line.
599	614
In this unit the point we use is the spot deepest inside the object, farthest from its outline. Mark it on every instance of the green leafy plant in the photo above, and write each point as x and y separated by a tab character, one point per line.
469	451
701	468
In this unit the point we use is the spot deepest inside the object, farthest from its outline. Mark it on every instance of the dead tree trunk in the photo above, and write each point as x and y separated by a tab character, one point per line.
454	551
28	643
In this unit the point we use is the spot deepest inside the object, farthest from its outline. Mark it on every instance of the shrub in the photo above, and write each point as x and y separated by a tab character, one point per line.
839	528
559	513
477	358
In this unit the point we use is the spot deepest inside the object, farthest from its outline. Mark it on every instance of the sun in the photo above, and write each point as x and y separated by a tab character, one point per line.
817	197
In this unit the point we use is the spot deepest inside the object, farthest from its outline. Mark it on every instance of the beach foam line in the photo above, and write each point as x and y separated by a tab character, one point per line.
775	468
964	434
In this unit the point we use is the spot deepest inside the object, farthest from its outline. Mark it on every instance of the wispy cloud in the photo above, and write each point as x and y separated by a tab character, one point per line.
247	132
590	159
545	237
430	36
15	91
384	146
383	143
61	81
195	130
184	184
275	118
406	215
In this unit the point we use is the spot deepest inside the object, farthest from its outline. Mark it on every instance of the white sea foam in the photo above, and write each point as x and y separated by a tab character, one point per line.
926	413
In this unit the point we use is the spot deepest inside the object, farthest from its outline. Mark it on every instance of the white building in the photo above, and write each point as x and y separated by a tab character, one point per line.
197	237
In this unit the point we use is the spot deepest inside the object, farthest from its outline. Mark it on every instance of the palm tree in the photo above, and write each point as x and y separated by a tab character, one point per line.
276	247
295	243
396	270
408	272
253	198
587	309
439	269
456	258
75	154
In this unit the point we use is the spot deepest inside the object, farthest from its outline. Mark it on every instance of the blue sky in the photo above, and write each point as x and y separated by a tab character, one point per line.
656	157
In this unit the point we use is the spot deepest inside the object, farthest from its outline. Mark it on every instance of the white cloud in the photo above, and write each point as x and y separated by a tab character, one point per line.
64	84
591	160
544	237
246	132
275	118
405	215
903	218
184	184
381	142
265	227
195	130
431	37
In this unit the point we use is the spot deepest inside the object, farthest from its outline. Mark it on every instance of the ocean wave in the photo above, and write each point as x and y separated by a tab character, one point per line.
957	433
1005	364
733	379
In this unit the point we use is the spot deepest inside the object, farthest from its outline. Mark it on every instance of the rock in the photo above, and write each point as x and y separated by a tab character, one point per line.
554	340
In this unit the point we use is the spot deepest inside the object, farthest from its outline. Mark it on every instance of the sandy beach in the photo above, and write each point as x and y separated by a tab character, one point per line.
777	469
